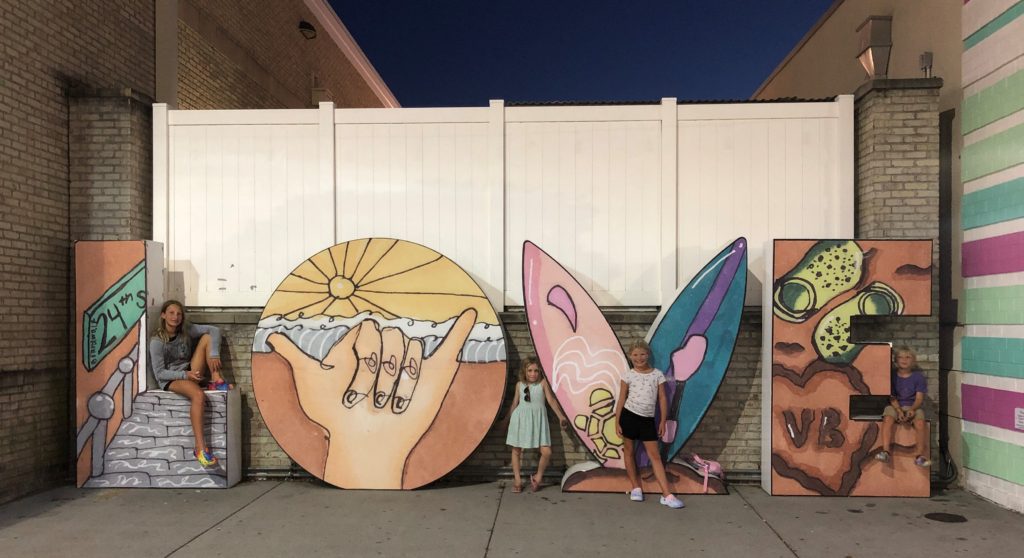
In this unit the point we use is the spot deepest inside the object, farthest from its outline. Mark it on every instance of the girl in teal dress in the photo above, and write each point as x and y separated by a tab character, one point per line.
528	424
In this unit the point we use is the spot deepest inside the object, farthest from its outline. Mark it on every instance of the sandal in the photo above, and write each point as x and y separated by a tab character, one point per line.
517	487
534	484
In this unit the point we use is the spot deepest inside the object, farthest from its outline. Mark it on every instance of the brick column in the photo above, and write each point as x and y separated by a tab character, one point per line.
110	135
897	182
110	175
897	196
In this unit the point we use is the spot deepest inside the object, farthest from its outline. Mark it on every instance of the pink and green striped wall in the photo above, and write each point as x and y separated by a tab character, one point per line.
992	264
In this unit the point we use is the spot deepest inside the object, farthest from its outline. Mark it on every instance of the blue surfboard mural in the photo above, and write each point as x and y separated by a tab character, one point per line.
693	339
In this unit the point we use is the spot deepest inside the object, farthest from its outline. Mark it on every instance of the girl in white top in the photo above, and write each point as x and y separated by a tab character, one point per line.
642	387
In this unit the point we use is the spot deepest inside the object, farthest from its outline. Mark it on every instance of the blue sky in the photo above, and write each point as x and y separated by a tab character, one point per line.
463	53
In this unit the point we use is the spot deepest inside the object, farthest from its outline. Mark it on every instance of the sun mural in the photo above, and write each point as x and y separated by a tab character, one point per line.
391	278
378	363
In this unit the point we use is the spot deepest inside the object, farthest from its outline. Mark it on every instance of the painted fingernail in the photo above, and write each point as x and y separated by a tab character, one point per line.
412	370
371	361
390	366
399	404
351	398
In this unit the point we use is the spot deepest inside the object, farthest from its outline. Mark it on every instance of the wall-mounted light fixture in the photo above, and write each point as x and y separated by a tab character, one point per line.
307	29
875	45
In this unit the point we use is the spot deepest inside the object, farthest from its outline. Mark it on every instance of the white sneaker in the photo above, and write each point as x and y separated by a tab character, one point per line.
637	495
672	502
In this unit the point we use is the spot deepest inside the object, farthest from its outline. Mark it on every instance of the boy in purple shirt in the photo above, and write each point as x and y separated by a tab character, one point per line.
908	390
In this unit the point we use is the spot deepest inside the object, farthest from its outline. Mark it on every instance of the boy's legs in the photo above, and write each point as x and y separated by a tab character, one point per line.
921	430
888	427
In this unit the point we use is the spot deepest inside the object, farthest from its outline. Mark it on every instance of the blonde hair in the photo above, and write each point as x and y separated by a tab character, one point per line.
639	344
526	364
162	332
905	350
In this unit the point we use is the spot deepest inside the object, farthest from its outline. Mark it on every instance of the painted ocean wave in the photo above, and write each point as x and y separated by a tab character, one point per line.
315	336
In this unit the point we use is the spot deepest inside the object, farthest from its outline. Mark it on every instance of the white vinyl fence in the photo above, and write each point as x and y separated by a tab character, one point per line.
633	199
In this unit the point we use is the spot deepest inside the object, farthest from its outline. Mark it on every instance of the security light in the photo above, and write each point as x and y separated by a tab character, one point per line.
307	29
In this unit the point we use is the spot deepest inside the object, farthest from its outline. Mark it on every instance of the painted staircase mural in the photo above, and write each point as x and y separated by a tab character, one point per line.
153	446
128	435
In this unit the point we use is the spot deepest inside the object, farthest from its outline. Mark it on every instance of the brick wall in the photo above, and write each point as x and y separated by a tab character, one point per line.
897	196
987	377
244	55
111	170
36	434
48	47
209	79
730	432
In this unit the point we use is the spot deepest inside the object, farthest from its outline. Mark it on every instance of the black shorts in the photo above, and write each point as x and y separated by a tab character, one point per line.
637	427
167	385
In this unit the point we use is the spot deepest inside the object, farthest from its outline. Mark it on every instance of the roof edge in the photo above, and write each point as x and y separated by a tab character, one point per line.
579	103
327	17
803	41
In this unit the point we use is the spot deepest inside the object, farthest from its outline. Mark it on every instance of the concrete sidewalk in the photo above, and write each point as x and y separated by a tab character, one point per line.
294	518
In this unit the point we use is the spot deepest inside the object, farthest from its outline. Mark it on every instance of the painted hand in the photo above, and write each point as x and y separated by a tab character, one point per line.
376	396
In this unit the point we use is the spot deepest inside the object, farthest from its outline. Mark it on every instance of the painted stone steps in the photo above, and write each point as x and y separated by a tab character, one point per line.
154	447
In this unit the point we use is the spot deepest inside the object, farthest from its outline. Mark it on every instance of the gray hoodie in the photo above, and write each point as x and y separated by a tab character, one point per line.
171	360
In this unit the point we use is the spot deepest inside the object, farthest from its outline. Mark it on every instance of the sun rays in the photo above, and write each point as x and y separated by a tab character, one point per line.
387	277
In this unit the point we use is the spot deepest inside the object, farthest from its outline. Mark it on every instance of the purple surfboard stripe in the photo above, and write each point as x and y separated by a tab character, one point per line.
998	254
709	308
994	407
559	298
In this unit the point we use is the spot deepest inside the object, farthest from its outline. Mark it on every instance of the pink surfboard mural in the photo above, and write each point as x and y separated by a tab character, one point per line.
578	350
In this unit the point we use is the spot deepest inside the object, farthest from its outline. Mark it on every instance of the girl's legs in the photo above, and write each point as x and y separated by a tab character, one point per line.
656	464
199	355
627	458
545	458
190	389
517	455
199	359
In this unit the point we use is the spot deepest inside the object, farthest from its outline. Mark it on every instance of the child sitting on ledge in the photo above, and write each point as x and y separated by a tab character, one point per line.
908	390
